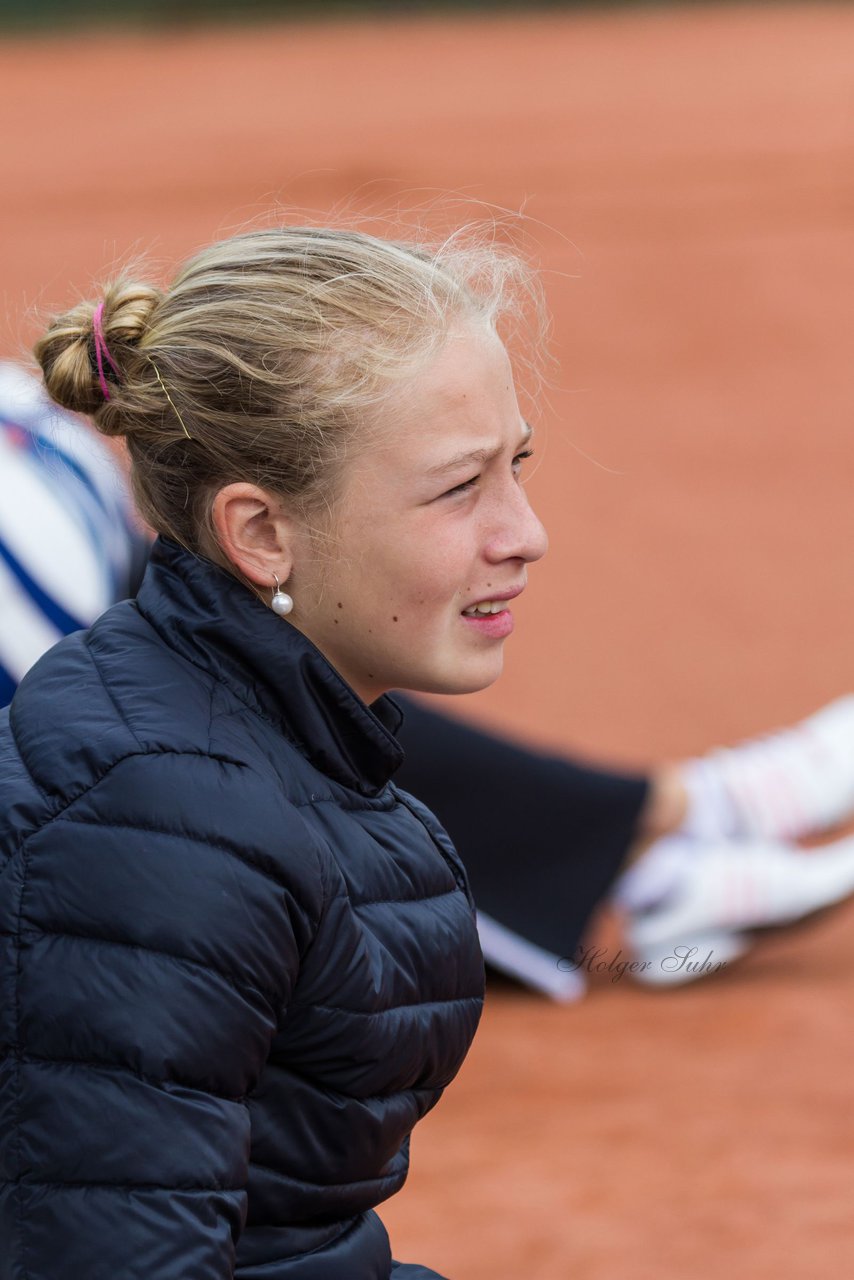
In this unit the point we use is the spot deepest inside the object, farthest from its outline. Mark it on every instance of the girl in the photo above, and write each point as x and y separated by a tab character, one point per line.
238	963
715	834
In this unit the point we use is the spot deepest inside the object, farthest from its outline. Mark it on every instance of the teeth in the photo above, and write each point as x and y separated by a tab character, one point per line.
486	606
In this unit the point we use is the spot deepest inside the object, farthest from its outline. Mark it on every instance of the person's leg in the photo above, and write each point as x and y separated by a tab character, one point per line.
665	809
542	838
708	884
710	900
784	785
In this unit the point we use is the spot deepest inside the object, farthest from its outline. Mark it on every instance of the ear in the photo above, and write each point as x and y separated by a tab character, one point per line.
254	532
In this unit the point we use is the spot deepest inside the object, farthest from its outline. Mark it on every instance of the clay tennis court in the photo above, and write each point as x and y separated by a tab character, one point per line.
689	177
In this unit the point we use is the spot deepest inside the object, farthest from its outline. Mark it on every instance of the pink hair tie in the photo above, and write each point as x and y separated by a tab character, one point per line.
102	350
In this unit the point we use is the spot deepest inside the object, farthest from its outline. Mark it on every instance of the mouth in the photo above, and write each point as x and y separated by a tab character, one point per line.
491	618
485	609
495	604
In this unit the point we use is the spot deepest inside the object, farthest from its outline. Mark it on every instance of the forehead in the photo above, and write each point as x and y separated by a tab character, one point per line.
464	399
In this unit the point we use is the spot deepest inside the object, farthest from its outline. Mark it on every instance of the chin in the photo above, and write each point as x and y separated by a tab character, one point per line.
465	678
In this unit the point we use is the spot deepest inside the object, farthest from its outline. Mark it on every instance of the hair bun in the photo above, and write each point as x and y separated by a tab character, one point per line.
68	351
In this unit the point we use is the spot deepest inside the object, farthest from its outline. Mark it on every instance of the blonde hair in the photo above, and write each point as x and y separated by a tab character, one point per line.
265	358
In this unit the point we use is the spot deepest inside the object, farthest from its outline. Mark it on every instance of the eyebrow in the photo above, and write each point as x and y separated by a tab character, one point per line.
475	455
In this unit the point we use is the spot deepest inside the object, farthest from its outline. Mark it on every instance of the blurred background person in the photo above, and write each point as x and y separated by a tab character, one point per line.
69	544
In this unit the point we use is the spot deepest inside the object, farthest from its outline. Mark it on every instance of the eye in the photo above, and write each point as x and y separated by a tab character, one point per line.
470	484
520	458
461	488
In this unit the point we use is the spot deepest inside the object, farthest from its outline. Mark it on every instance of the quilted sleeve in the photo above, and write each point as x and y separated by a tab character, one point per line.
153	932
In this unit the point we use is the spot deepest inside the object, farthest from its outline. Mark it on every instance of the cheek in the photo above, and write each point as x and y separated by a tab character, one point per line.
418	575
429	589
415	606
441	564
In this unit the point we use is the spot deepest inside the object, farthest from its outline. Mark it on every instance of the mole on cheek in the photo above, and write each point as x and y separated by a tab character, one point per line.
340	605
394	617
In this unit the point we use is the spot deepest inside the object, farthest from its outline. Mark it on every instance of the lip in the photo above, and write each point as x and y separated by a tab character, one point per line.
495	626
510	594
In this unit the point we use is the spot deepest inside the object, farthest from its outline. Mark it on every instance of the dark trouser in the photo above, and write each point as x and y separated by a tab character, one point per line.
542	837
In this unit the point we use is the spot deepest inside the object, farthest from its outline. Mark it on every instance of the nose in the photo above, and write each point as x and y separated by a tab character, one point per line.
516	532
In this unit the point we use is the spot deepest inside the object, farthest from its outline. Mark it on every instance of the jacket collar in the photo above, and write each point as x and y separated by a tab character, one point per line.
217	624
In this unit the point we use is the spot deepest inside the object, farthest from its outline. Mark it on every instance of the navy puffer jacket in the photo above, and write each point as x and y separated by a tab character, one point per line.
238	964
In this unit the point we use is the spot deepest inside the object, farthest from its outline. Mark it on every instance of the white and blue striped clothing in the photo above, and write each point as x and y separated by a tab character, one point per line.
68	544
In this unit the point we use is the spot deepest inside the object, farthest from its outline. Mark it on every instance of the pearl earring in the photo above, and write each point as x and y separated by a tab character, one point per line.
281	603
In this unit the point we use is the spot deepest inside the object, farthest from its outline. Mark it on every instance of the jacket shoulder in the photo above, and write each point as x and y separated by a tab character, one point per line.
111	729
103	694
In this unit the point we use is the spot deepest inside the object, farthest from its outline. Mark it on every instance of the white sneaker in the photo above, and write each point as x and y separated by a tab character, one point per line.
674	964
788	784
691	906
